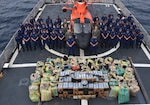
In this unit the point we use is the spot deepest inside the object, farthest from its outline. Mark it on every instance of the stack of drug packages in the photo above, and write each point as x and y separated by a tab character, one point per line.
70	80
46	87
122	80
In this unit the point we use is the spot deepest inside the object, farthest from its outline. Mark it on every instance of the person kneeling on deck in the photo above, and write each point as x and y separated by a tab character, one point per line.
45	38
93	45
70	44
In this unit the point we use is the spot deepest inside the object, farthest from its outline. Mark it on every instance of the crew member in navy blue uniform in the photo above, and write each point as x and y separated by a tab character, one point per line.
53	37
112	35
35	40
59	20
48	21
93	45
26	39
132	39
70	44
61	38
104	18
45	38
127	37
32	20
139	40
40	20
19	42
104	37
120	37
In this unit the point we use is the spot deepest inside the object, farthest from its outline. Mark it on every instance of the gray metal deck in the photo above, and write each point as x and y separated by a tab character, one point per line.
13	94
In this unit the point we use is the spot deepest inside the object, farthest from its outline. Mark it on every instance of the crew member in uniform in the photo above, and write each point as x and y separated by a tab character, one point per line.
120	37
35	40
19	42
127	37
70	44
53	37
112	35
105	34
93	45
139	40
26	39
132	39
45	38
61	38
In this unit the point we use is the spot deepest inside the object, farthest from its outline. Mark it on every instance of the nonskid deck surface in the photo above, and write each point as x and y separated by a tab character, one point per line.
17	92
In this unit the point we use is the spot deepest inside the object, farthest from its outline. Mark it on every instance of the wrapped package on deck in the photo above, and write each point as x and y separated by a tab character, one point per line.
54	91
75	67
108	60
46	95
134	89
114	91
46	75
34	94
35	78
113	82
120	71
123	95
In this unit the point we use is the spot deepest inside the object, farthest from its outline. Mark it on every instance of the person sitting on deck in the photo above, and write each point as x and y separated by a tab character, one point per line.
26	39
93	45
45	38
70	44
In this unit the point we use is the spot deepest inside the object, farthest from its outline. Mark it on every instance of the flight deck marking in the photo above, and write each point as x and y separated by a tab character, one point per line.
98	55
141	65
145	51
23	82
84	102
81	53
23	65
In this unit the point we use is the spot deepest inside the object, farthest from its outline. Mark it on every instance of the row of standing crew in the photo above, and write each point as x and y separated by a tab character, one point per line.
108	31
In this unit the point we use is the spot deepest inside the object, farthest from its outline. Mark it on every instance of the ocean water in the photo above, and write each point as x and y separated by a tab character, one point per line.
13	12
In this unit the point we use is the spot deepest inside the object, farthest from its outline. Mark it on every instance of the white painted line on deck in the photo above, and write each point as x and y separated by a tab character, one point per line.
84	102
23	65
145	51
81	53
13	57
141	65
39	14
117	9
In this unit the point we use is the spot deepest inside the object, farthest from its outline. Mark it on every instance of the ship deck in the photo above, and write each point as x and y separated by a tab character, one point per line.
14	84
